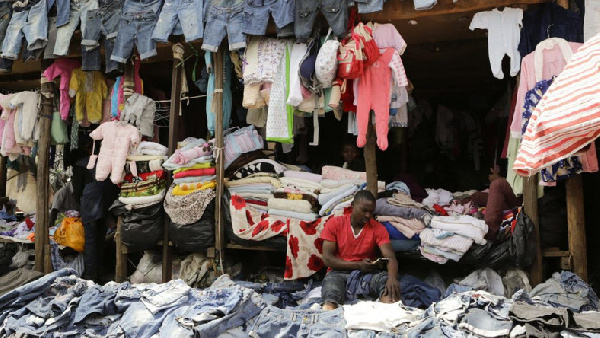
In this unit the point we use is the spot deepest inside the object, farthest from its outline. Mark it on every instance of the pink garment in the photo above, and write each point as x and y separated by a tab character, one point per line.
138	86
387	35
183	157
553	65
195	173
9	143
374	94
117	138
63	68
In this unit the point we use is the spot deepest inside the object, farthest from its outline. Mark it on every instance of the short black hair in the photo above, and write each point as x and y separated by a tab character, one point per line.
351	141
364	195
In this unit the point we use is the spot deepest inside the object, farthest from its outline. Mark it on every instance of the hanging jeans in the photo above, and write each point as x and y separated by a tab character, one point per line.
79	10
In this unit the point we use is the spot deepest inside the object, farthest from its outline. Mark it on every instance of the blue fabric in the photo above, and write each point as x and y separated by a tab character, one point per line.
274	322
256	15
549	21
398	186
393	232
224	17
63	9
174	12
227	95
416	293
405	245
358	284
455	288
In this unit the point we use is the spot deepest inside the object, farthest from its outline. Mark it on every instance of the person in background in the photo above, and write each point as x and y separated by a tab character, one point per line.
500	197
63	201
349	244
352	155
95	198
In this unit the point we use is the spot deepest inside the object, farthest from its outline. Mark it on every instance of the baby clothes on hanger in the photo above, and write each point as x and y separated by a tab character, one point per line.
90	89
504	34
63	67
374	94
117	139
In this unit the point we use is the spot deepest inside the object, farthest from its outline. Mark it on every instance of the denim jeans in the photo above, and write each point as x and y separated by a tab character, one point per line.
21	296
36	28
221	20
256	15
5	64
90	59
98	301
274	322
79	10
52	30
63	9
187	13
334	286
335	11
11	45
102	21
212	312
369	6
135	29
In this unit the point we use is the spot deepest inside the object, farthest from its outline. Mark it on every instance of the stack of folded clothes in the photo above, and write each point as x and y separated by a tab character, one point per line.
332	200
193	167
297	197
145	179
337	177
450	237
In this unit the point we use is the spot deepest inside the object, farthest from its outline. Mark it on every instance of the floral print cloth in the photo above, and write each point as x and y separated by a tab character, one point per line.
304	249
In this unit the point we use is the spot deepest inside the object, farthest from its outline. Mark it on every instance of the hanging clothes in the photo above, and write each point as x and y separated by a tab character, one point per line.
280	120
63	68
89	90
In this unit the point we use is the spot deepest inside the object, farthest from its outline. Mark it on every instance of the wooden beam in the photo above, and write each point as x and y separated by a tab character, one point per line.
218	99
405	10
577	239
530	204
43	174
370	154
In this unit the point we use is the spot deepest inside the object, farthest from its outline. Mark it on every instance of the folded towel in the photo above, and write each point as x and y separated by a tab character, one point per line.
303	175
299	183
188	188
150	148
194	179
295	215
204	165
245	181
301	206
324	198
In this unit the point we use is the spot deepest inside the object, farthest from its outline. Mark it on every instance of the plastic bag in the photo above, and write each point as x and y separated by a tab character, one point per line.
71	234
195	236
143	227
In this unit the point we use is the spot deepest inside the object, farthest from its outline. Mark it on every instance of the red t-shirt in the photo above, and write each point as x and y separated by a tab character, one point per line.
339	230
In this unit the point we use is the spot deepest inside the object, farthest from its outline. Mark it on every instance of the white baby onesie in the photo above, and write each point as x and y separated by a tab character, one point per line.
504	34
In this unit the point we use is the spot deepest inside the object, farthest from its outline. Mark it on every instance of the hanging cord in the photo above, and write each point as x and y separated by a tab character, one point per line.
195	61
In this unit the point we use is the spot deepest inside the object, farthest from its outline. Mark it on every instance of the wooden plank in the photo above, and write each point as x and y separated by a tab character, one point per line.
218	100
405	10
43	172
575	214
554	252
121	259
530	204
370	154
252	248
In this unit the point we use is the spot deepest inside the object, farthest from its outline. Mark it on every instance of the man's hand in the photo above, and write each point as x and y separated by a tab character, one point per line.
366	265
392	289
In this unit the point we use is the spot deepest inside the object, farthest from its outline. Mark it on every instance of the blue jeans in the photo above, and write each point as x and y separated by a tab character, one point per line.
79	10
102	21
274	322
335	11
369	6
11	46
188	13
136	26
334	286
63	9
36	28
256	15
90	59
221	20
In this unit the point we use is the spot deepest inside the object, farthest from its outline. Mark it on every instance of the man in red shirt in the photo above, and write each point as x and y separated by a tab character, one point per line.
349	243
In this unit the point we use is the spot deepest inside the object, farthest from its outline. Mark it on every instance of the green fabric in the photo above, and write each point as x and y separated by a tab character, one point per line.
58	129
289	108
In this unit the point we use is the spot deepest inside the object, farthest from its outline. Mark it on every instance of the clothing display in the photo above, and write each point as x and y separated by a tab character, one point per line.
89	90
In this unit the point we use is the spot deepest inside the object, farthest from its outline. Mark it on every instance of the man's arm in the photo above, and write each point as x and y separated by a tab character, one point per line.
392	287
336	263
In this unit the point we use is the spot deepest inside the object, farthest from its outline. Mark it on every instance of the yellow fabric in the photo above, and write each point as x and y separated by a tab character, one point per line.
187	188
205	165
294	197
89	96
71	234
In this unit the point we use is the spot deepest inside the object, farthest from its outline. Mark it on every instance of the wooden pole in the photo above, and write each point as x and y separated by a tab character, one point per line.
218	100
370	154
121	259
576	219
43	174
530	204
176	86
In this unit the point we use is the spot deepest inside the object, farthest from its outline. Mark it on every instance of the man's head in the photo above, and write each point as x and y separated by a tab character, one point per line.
350	151
363	207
